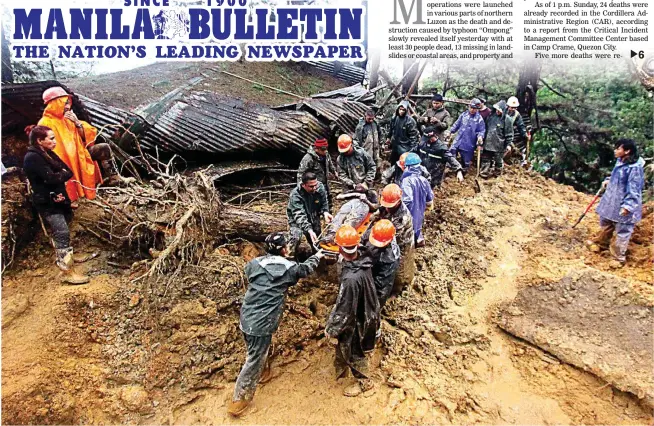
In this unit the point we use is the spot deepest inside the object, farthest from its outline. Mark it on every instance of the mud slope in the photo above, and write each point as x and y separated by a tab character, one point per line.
101	354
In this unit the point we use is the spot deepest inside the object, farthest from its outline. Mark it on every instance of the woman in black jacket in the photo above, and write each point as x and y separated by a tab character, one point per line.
47	175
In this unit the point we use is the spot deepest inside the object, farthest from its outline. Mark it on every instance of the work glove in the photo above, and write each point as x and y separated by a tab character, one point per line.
480	142
604	185
328	217
320	254
459	176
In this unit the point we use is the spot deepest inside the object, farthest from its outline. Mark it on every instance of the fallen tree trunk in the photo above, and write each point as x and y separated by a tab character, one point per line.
251	225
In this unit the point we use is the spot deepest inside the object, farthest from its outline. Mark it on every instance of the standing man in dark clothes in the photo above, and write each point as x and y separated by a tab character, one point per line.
484	111
306	203
353	323
368	135
404	132
435	155
317	161
393	209
269	278
498	131
380	241
437	117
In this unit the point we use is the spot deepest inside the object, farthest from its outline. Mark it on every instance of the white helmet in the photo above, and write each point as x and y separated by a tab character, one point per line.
513	102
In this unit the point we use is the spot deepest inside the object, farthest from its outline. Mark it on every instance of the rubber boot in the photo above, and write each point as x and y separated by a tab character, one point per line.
65	263
236	408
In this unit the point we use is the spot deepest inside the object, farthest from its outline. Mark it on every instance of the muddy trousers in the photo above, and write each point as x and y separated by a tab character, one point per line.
357	362
466	157
58	223
255	361
623	233
487	160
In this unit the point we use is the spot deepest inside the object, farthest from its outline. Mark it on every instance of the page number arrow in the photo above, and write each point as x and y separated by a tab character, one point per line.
633	54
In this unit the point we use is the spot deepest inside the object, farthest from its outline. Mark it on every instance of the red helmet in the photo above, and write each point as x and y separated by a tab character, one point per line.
347	239
344	143
391	195
382	233
53	93
403	160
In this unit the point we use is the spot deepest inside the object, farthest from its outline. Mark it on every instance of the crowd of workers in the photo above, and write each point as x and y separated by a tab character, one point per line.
64	164
379	262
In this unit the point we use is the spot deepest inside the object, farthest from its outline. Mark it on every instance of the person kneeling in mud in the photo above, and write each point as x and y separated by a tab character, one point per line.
269	277
354	320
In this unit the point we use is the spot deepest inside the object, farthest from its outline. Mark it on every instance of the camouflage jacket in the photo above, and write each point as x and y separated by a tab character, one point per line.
356	168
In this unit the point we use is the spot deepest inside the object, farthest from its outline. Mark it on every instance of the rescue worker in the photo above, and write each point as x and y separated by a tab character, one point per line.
393	174
621	206
317	161
499	130
469	129
306	203
76	146
393	209
354	167
48	175
354	320
380	241
484	111
404	132
435	155
516	119
269	278
368	135
417	195
437	117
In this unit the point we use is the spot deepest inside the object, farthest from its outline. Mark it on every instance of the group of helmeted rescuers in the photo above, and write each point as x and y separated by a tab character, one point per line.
381	260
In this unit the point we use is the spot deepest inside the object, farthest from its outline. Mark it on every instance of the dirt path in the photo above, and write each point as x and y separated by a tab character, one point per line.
511	381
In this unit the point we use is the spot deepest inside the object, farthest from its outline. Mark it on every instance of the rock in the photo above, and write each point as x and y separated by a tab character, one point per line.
14	308
396	398
135	398
134	300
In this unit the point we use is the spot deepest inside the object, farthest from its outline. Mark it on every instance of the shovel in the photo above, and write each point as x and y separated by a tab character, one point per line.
599	194
477	182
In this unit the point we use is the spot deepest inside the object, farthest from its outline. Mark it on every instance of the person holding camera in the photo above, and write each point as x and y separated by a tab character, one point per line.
48	175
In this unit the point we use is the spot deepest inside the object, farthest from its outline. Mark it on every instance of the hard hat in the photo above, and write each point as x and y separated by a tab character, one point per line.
391	195
53	93
402	160
412	159
347	239
382	233
513	102
475	103
321	143
344	143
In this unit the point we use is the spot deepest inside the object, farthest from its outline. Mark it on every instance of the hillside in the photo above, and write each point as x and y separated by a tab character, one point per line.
99	354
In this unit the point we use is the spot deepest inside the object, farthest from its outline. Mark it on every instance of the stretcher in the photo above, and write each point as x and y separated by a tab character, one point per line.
331	249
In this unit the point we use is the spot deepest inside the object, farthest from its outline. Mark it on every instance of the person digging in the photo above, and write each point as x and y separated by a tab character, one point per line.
354	320
621	206
269	278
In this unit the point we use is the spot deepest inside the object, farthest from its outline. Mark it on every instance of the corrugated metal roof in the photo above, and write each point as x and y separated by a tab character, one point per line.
211	123
345	114
352	93
341	70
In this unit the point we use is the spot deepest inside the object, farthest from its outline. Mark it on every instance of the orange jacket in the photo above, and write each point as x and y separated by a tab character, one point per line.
72	150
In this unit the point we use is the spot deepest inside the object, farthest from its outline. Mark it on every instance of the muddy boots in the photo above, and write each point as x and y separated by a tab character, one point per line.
65	263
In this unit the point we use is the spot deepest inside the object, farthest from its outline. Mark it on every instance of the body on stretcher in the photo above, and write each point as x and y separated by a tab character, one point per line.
331	249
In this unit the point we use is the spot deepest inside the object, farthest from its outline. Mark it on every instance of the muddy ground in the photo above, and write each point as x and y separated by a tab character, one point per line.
118	351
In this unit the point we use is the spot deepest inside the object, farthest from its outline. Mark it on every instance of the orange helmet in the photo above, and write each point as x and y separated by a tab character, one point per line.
344	143
391	195
382	233
347	239
403	160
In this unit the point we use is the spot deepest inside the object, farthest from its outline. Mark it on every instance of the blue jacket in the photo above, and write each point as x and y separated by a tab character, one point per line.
468	128
416	193
625	190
